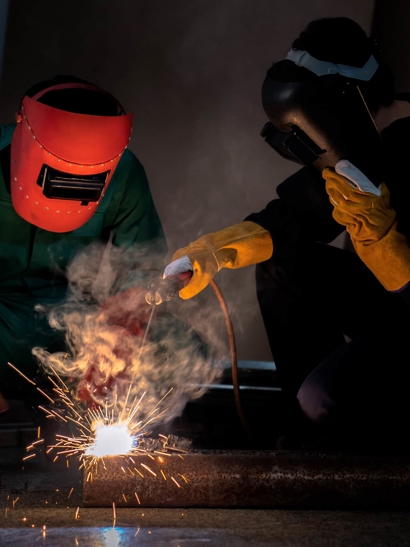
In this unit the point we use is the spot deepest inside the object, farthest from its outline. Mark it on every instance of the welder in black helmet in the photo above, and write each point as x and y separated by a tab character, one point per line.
337	319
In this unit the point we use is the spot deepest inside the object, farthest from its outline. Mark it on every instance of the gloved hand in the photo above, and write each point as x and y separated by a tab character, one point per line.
371	222
239	245
122	317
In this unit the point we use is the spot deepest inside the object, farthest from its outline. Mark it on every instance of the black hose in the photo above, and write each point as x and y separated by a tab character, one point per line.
234	357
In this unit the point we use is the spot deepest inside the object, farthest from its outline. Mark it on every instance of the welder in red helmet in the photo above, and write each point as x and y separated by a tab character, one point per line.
337	320
67	179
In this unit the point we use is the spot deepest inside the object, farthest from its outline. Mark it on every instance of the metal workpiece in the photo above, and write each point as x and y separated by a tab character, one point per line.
217	479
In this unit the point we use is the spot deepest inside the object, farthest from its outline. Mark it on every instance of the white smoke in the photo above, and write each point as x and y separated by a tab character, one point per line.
103	357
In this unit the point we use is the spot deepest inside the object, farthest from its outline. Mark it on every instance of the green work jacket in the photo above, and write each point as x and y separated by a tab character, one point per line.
33	261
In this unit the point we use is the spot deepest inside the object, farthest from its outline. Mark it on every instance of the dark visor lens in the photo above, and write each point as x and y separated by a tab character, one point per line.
60	185
294	145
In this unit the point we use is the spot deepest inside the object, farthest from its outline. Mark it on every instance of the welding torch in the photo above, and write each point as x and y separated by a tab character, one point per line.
165	289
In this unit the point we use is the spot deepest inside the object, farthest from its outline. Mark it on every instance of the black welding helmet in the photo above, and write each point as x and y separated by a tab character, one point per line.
318	115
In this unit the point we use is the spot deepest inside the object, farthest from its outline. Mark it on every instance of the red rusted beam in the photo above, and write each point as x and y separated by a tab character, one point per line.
250	479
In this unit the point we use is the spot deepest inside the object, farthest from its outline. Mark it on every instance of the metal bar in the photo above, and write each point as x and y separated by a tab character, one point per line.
250	479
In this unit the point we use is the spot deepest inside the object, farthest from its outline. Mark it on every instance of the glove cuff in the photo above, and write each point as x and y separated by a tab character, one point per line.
388	259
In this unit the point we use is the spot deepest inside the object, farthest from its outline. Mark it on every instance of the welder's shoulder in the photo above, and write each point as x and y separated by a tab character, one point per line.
396	138
130	174
292	197
130	165
302	202
301	187
6	133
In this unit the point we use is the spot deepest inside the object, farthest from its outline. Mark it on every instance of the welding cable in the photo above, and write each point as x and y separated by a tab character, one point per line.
234	357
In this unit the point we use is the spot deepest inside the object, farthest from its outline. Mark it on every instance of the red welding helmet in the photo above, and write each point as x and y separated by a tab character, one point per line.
62	162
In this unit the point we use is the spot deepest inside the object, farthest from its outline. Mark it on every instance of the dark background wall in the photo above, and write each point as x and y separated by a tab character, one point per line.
191	70
4	5
391	25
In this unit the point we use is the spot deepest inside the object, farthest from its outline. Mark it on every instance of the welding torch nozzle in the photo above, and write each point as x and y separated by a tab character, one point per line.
165	289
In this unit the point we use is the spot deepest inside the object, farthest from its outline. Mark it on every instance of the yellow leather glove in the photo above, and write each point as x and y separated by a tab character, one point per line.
239	245
371	222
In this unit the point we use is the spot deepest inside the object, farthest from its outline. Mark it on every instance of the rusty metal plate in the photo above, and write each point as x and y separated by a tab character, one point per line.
249	479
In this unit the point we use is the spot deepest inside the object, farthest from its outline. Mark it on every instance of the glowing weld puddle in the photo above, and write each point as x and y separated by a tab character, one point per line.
111	440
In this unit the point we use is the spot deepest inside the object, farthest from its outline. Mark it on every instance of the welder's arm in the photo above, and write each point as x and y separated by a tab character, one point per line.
371	222
238	246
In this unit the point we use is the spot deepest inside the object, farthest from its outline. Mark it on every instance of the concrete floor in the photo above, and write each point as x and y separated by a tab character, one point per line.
36	493
222	529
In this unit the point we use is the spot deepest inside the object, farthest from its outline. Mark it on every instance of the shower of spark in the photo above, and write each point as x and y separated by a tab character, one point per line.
102	432
105	432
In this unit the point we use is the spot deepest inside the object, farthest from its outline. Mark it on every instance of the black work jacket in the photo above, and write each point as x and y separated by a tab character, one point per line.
302	212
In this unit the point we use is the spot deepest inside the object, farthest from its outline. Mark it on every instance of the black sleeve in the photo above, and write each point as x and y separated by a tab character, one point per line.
404	294
302	211
396	138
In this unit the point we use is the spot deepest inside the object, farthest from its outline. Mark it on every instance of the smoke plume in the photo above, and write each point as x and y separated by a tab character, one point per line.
102	322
